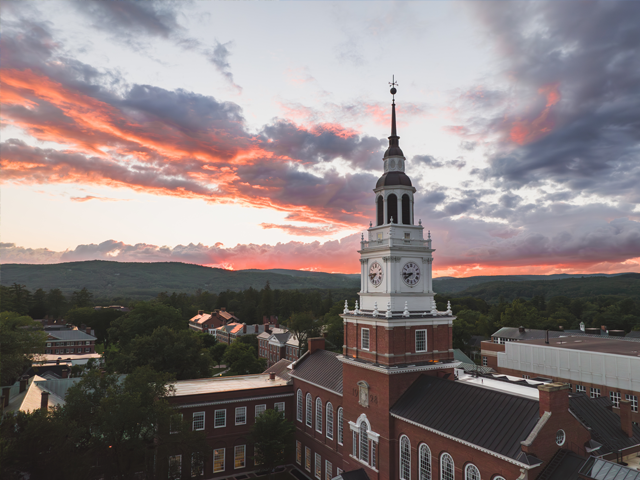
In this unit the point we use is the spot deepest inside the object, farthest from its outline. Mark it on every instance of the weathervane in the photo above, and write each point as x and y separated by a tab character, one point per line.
393	90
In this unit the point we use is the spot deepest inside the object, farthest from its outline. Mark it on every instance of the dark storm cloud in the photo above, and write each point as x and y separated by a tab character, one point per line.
431	162
510	201
583	65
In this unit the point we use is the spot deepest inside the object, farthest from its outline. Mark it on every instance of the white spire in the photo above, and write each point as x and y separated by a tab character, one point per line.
346	307
388	314
406	310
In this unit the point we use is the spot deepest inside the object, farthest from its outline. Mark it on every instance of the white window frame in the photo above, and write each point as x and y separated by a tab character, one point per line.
405	458
363	442
298	452
580	388
309	412
362	339
223	459
307	459
634	401
449	475
299	406
471	472
260	409
615	398
328	468
318	415
235	456
424	462
318	466
279	407
329	416
242	413
595	392
194	420
217	419
340	427
485	361
419	350
173	428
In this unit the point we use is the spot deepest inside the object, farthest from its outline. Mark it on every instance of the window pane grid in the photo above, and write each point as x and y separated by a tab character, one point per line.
218	460
329	421
446	467
307	459
405	458
220	419
239	456
260	409
471	472
298	452
328	468
241	415
365	338
198	421
309	411
615	399
318	415
425	463
318	467
634	401
299	406
364	443
421	340
340	431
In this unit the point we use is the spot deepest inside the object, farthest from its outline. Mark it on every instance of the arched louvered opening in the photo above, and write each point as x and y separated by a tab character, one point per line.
392	208
380	203
406	210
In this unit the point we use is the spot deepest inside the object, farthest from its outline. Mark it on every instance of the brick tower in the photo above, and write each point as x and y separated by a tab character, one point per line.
396	332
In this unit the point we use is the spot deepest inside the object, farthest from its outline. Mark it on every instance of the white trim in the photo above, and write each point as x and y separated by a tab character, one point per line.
215	418
235	400
368	347
363	463
400	322
468	444
391	370
542	421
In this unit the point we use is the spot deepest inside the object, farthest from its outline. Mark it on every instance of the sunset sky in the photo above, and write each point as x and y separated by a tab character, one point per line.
251	134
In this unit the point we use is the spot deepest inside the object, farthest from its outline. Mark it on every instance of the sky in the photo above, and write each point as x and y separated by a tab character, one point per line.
251	134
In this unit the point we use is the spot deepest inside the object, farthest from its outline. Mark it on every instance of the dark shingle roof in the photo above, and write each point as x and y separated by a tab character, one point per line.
322	368
566	469
490	419
604	424
280	369
359	474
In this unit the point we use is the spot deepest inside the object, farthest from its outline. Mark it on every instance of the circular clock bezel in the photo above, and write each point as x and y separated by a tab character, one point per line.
403	277
381	274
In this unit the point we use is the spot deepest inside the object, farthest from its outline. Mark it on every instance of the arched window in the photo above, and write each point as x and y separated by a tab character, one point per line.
392	208
299	406
380	204
471	472
446	467
424	468
364	442
340	431
405	458
309	410
498	478
406	209
329	420
318	415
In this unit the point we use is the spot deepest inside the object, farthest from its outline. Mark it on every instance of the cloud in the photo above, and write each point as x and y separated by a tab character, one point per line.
86	198
219	56
303	230
431	162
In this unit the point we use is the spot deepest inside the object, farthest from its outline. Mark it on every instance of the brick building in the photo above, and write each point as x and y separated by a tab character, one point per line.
229	332
63	340
209	322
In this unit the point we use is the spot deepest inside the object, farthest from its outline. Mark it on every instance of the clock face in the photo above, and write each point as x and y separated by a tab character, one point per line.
411	274
375	274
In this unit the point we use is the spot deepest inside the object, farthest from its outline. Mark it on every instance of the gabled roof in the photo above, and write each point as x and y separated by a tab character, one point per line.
322	368
604	424
281	369
487	418
281	338
293	341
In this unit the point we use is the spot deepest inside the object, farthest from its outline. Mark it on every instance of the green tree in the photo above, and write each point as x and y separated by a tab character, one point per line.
143	320
179	353
241	359
56	303
272	437
218	351
38	304
334	325
83	298
304	326
20	340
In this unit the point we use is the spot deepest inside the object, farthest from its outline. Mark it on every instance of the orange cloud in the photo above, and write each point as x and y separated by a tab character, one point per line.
525	131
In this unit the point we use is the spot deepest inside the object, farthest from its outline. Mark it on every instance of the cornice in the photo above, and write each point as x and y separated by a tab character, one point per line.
395	371
234	400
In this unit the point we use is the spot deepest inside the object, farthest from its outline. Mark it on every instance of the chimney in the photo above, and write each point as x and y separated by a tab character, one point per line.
223	309
58	361
255	328
314	344
44	401
625	417
272	376
65	373
23	383
521	329
244	328
5	395
554	398
88	330
200	312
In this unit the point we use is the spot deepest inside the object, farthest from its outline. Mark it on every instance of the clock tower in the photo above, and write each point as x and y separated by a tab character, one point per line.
395	334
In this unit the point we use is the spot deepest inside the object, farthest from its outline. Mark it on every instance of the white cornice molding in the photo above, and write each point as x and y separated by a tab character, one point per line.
233	400
382	321
393	371
468	444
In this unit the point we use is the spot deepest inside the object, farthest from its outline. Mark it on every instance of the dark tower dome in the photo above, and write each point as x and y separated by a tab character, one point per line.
393	178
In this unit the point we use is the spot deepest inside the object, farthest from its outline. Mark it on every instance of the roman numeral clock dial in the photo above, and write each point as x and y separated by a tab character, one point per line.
411	274
375	274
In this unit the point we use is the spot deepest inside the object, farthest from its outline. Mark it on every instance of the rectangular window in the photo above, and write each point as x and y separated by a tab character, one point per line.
87	349
615	399
526	377
307	459
595	392
197	465
260	410
580	388
174	423
198	421
374	453
354	443
327	470
218	460
241	415
421	340
49	344
298	452
318	466
634	401
239	456
175	467
279	407
220	419
484	361
365	338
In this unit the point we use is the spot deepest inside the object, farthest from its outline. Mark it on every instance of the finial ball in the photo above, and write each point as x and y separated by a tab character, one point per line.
393	90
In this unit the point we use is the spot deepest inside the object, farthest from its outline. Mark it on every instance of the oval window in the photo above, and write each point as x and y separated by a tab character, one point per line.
560	437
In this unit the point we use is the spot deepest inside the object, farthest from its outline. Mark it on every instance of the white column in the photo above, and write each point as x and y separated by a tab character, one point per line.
385	219
398	220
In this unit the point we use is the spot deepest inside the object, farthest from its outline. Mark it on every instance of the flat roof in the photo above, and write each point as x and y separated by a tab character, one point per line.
598	344
500	386
226	384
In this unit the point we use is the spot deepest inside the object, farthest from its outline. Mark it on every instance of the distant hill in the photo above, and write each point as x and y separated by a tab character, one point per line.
627	284
108	280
